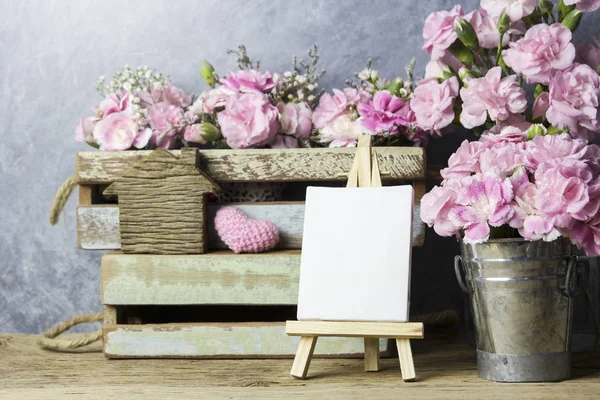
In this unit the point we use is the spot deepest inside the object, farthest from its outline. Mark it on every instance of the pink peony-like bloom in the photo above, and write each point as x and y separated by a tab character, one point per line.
113	103
383	113
567	191
586	235
85	129
295	119
118	131
486	29
543	50
506	134
493	95
248	81
176	97
584	5
465	160
502	158
433	103
193	133
344	131
330	107
439	33
435	210
249	120
284	142
526	217
165	121
483	200
515	9
545	148
213	100
589	53
574	100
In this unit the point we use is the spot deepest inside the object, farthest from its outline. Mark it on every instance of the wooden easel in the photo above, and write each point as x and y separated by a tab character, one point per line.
364	173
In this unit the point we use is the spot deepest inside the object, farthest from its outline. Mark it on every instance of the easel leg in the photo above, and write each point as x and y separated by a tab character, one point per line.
303	356
406	360
372	354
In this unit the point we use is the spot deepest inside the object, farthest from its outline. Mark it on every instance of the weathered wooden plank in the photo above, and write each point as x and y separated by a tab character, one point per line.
262	165
218	340
212	278
98	225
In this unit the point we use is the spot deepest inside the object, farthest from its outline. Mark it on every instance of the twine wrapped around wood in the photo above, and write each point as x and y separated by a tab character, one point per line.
48	340
61	197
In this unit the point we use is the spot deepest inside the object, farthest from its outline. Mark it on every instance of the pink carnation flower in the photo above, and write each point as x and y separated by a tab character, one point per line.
526	217
589	53
439	33
436	206
85	129
584	5
504	134
465	160
586	235
493	95
515	9
343	131
249	120
336	118
383	113
247	81
193	134
176	97
433	103
213	100
113	103
118	131
165	121
567	191
483	200
574	100
295	119
486	29
330	107
543	50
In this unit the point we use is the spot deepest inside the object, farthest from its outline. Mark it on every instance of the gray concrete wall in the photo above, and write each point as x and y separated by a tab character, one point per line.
51	54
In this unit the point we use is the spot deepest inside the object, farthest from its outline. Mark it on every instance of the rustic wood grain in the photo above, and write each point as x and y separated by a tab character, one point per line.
98	225
446	368
263	165
212	278
162	204
217	340
392	330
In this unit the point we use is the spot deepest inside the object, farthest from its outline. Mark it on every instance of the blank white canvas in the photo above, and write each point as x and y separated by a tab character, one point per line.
356	253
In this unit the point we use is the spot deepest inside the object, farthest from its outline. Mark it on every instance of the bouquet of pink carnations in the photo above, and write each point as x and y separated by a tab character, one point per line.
374	106
481	62
141	109
542	187
244	109
250	108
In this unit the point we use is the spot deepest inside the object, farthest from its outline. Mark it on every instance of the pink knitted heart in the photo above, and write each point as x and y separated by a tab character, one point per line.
245	235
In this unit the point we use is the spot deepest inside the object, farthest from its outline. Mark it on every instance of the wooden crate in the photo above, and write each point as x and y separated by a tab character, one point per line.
219	304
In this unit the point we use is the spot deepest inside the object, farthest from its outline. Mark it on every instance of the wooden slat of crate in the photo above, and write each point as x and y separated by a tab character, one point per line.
212	278
263	165
98	225
219	340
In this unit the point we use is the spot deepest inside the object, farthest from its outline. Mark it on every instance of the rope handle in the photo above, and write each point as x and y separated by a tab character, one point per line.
61	197
49	341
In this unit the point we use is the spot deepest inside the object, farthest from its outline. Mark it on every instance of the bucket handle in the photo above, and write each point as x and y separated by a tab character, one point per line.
575	280
458	270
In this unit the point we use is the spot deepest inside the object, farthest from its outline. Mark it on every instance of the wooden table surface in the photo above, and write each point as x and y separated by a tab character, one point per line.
445	366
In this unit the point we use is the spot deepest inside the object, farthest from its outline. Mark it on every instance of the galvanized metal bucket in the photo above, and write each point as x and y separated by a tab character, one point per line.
521	297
